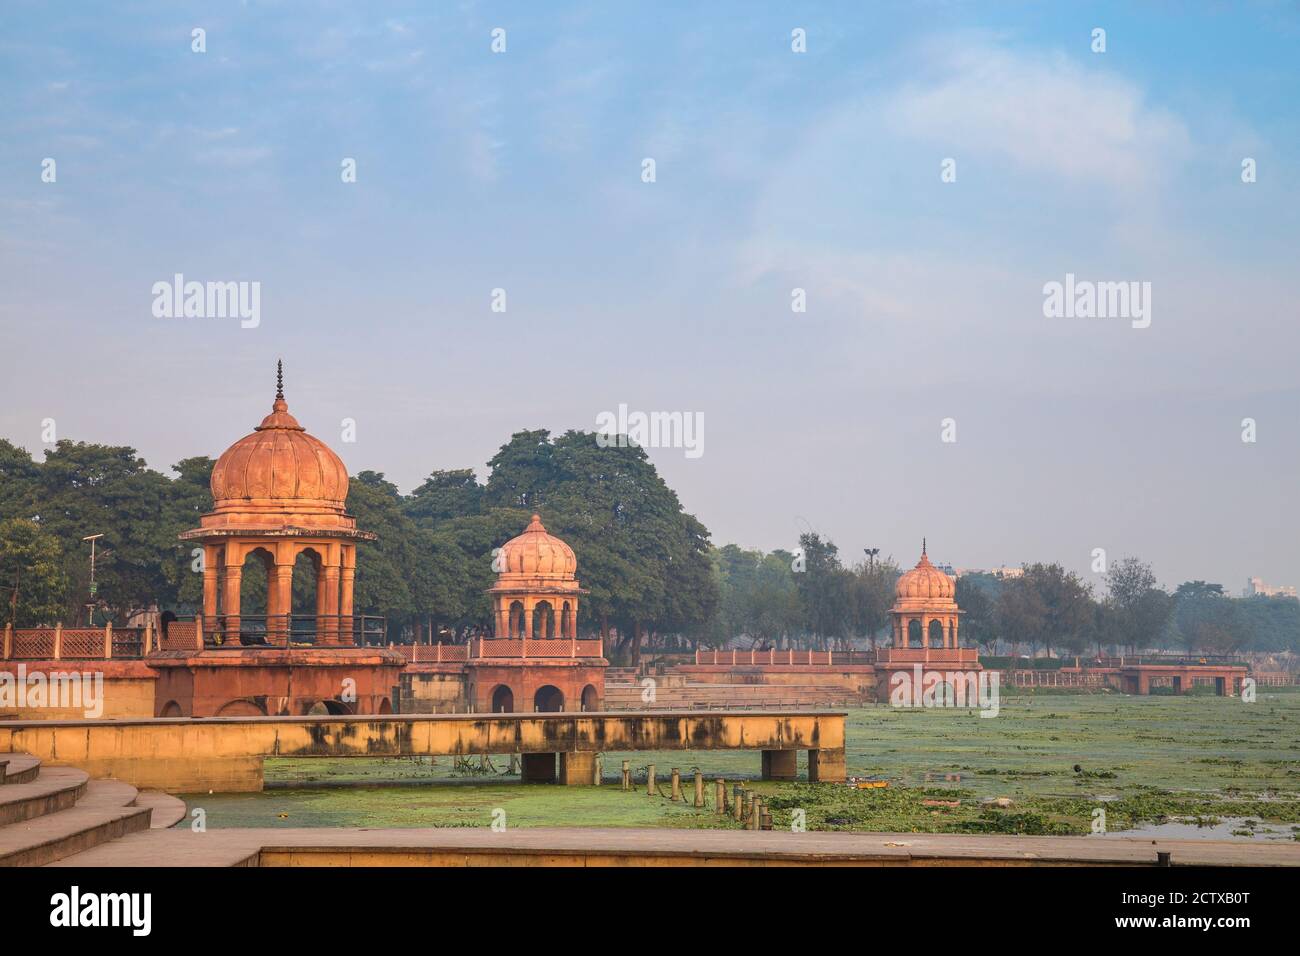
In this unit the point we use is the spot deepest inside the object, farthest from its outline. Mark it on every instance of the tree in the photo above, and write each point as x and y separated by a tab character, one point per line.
871	595
1021	615
1206	619
32	579
977	596
445	495
1067	605
102	489
1141	609
823	590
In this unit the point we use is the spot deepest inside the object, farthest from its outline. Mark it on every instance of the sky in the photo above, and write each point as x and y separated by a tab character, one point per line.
826	170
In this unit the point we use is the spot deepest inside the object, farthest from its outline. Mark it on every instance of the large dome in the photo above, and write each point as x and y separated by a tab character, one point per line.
537	554
279	461
279	476
925	582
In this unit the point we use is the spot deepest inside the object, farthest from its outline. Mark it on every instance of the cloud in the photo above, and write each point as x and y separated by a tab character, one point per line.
1045	113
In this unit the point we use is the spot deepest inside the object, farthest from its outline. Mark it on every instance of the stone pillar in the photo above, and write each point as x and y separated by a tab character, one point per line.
826	765
211	568
280	603
331	621
780	764
577	769
537	768
347	585
230	605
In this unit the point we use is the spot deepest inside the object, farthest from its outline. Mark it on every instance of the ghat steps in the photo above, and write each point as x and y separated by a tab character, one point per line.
51	813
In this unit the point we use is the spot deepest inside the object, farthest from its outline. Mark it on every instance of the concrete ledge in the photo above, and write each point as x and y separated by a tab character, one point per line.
657	847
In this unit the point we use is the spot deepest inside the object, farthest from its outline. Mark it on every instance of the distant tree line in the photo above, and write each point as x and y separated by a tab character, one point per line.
655	580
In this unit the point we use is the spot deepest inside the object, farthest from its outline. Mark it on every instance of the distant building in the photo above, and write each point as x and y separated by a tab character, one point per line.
1255	587
999	572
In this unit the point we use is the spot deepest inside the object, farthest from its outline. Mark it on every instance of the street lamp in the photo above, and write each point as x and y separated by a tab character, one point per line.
90	608
871	556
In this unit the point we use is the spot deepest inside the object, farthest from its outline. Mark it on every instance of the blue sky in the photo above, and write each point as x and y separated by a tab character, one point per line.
775	170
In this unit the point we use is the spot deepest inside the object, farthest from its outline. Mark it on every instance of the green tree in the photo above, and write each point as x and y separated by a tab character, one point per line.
1140	609
32	580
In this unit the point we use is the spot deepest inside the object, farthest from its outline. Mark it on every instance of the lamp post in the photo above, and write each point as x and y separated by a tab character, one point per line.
90	608
871	556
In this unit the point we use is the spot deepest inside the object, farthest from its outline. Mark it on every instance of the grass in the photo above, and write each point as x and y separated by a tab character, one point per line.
1144	759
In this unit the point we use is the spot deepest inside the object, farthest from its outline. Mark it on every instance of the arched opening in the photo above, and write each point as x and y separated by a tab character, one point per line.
914	633
385	706
549	699
249	628
543	621
171	709
307	597
590	700
503	700
936	633
241	708
515	620
566	621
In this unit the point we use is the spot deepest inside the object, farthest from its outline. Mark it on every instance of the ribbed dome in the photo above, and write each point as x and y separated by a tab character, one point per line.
537	554
925	582
279	477
280	461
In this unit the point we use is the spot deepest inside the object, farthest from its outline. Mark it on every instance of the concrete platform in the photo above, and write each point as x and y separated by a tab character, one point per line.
654	847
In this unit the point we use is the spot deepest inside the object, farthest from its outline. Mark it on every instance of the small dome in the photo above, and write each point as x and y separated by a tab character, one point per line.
925	582
538	554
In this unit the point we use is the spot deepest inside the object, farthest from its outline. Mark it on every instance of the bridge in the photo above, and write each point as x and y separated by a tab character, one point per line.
226	754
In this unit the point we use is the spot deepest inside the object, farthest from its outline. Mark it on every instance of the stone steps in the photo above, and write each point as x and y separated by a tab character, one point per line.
167	809
18	768
49	813
54	789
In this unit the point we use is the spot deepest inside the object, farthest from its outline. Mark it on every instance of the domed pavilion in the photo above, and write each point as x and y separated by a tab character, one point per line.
925	610
279	493
536	592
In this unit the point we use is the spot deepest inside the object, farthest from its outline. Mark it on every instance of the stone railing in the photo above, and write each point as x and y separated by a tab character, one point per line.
61	643
529	647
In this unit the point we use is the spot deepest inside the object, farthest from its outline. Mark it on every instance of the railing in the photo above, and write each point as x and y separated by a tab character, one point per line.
292	630
1167	660
789	656
61	643
528	647
1054	678
928	655
433	653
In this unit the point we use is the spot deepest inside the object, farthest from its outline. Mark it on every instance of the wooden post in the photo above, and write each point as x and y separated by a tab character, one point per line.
676	790
108	641
9	640
58	640
650	780
627	776
719	796
597	772
738	801
699	788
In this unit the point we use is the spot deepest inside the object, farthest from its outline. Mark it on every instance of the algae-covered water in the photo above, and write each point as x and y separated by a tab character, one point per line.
1209	765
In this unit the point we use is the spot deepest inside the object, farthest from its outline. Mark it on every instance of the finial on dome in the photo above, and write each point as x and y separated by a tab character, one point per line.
923	547
279	380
